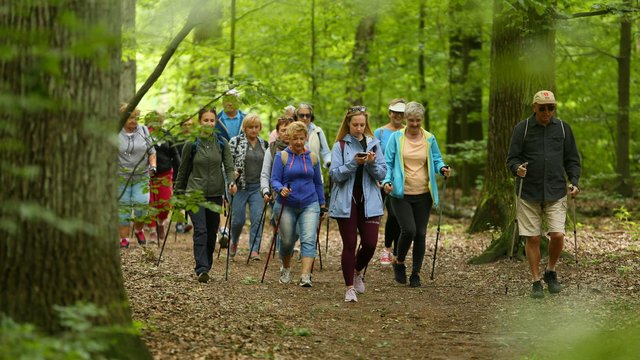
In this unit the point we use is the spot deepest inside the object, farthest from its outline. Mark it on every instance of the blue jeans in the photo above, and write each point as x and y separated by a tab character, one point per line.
205	232
251	196
305	221
135	198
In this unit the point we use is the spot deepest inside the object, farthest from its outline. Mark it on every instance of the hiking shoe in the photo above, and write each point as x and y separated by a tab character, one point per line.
254	256
358	284
124	243
203	277
140	236
180	228
285	276
385	259
400	273
188	228
536	290
414	281
350	295
153	237
233	249
551	278
223	234
305	280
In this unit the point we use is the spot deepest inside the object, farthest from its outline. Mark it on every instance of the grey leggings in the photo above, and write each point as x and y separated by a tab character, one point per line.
412	213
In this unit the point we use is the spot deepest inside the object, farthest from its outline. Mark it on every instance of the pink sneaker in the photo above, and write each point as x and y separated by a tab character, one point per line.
385	259
140	236
124	243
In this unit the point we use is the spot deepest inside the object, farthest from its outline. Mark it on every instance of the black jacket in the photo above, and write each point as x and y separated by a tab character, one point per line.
551	152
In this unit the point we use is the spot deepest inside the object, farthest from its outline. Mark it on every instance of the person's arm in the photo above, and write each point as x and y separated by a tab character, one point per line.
436	157
317	181
514	158
325	153
185	168
377	169
390	158
340	171
265	174
229	168
175	160
277	173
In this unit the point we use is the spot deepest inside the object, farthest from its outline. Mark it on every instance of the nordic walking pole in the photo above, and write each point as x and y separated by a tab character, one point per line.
166	234
273	238
318	241
228	215
435	248
255	236
575	236
226	271
326	239
515	228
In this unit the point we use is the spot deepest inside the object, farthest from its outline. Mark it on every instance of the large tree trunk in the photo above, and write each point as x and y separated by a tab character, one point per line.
360	60
128	75
624	186
59	215
522	62
464	121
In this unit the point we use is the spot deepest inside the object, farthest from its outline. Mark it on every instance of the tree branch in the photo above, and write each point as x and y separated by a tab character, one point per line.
194	19
256	9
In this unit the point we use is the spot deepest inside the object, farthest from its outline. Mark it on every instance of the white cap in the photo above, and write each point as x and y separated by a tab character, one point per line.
397	107
544	97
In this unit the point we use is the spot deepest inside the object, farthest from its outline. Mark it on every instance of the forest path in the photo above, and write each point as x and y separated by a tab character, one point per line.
462	314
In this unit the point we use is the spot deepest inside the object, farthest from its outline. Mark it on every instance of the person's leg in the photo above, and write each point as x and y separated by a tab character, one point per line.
165	193
308	224
238	215
348	233
556	215
529	223
200	240
421	206
212	219
368	229
256	206
140	200
406	221
124	213
287	232
391	231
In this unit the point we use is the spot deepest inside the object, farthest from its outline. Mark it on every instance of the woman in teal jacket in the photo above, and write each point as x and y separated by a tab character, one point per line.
357	165
413	160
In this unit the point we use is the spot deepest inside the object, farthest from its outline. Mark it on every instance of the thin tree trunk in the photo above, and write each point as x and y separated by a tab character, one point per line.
314	80
422	81
58	228
204	35
128	75
232	48
624	186
360	60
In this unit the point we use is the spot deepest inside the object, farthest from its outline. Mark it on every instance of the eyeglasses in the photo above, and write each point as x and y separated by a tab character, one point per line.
302	116
290	119
355	109
549	108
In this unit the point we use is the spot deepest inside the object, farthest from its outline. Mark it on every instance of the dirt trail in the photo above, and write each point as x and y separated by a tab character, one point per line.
463	314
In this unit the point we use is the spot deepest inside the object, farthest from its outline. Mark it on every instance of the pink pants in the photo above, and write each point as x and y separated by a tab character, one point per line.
160	194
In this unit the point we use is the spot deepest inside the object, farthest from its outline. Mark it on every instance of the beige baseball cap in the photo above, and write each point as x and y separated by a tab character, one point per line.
397	107
544	97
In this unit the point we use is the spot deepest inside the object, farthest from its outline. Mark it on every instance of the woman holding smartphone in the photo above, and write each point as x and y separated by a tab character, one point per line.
357	164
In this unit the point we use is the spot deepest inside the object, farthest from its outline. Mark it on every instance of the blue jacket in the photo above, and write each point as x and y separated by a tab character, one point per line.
343	174
395	163
304	178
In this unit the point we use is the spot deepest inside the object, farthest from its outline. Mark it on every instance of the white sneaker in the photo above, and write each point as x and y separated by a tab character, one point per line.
385	259
305	280
285	276
350	295
358	283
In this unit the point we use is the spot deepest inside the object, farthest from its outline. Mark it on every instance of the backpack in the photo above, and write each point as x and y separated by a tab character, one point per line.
284	156
526	127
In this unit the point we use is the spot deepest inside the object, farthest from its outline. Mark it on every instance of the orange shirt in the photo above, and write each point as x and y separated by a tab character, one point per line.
416	170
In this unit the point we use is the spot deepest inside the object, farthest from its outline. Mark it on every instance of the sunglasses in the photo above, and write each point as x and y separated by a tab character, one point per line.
355	109
550	108
290	119
302	116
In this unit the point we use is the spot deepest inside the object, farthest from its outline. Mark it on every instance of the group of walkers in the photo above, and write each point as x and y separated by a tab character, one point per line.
394	167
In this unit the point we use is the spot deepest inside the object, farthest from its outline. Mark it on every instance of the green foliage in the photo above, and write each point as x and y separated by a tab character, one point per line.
82	338
625	217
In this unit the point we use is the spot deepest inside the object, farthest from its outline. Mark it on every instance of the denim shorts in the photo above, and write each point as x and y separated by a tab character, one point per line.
134	199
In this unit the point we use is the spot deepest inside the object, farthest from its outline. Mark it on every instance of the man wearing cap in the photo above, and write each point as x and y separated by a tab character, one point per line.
230	118
391	227
543	149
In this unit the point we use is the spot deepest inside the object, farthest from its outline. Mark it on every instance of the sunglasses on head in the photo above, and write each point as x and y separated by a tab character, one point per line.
543	108
301	116
355	109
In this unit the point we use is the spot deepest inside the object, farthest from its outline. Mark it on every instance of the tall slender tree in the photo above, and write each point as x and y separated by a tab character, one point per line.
359	64
128	75
57	223
624	186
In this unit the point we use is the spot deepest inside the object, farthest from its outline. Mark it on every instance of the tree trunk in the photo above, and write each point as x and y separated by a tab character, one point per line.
232	49
58	228
422	81
128	75
205	35
314	79
360	60
464	121
624	186
522	62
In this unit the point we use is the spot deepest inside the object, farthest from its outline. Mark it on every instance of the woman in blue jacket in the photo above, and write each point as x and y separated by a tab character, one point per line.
296	177
357	165
413	160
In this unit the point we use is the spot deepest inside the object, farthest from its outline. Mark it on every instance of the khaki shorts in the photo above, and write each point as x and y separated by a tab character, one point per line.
530	216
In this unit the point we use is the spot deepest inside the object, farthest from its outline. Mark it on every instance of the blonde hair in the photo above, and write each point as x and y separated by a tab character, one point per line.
250	120
135	112
296	127
344	127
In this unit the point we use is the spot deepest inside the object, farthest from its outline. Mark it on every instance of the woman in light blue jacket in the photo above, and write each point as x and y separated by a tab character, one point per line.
413	160
357	165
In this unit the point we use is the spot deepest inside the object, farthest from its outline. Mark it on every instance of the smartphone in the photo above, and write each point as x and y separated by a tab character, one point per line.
361	154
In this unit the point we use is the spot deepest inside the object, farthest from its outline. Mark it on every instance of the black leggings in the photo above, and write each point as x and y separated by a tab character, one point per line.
391	227
412	213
